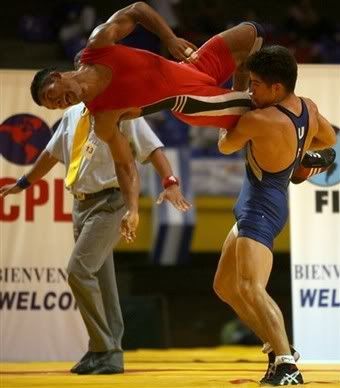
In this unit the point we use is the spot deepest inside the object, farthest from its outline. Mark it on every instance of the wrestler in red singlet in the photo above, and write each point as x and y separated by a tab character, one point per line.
141	79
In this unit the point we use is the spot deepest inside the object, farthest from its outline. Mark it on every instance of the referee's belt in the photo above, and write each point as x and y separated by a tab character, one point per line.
85	196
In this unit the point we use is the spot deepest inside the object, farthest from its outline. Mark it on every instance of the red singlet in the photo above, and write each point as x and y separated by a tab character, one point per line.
190	90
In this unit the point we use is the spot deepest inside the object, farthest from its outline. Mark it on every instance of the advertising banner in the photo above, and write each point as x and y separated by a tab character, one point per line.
315	235
39	319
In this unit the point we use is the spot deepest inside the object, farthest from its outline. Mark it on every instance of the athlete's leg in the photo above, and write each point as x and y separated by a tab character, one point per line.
226	287
243	40
240	281
254	263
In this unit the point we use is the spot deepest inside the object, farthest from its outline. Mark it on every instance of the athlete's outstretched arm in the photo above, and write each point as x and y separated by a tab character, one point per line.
325	137
124	21
171	193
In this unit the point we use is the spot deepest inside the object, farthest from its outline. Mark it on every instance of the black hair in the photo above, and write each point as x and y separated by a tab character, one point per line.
274	64
40	79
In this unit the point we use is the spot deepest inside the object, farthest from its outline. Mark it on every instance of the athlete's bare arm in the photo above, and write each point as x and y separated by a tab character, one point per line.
268	136
126	170
325	136
246	128
172	193
124	21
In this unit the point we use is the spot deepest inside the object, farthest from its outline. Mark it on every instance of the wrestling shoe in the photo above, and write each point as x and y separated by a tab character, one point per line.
314	162
285	374
271	364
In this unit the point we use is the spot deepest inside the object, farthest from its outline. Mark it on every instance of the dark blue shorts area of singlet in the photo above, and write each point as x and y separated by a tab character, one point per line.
261	213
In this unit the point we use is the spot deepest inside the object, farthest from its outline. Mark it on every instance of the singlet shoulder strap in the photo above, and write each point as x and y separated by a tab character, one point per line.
301	125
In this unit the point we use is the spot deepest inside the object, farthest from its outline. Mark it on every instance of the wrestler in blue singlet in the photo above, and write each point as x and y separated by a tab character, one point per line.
262	207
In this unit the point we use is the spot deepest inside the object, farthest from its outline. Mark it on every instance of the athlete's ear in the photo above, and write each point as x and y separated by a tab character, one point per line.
55	75
278	87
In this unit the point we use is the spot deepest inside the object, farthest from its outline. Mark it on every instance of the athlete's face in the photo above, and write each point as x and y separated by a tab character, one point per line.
60	92
263	94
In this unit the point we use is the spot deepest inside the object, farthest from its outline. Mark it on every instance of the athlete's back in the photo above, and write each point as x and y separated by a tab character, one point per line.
272	155
275	149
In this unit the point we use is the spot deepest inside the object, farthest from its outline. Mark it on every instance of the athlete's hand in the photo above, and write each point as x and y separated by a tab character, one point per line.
222	133
181	49
128	225
174	195
10	189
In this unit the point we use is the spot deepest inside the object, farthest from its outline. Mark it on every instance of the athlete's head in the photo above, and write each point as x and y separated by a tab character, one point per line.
273	73
55	90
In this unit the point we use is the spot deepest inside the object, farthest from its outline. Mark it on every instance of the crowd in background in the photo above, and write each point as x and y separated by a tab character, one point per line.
311	37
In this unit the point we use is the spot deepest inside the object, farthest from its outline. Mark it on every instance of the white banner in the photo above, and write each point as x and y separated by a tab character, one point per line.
39	318
315	235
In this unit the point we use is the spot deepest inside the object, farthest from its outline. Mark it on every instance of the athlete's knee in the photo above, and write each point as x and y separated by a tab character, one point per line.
243	40
251	292
260	32
224	290
220	291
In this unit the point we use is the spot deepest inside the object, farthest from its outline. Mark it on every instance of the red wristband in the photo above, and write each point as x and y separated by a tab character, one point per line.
169	181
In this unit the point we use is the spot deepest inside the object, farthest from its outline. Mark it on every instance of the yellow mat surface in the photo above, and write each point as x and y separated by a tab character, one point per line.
176	368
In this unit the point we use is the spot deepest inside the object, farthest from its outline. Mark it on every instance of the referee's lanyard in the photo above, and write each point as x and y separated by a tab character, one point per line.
80	136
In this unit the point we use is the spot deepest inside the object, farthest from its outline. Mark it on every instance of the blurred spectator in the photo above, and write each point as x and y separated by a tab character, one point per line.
172	132
146	40
198	22
303	21
74	22
311	37
36	28
166	8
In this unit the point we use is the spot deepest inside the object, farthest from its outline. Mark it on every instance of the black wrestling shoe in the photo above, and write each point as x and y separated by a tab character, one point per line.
321	158
75	367
270	369
271	364
285	374
315	162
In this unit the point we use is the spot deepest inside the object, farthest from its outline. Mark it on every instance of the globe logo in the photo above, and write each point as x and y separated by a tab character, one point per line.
332	176
22	138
